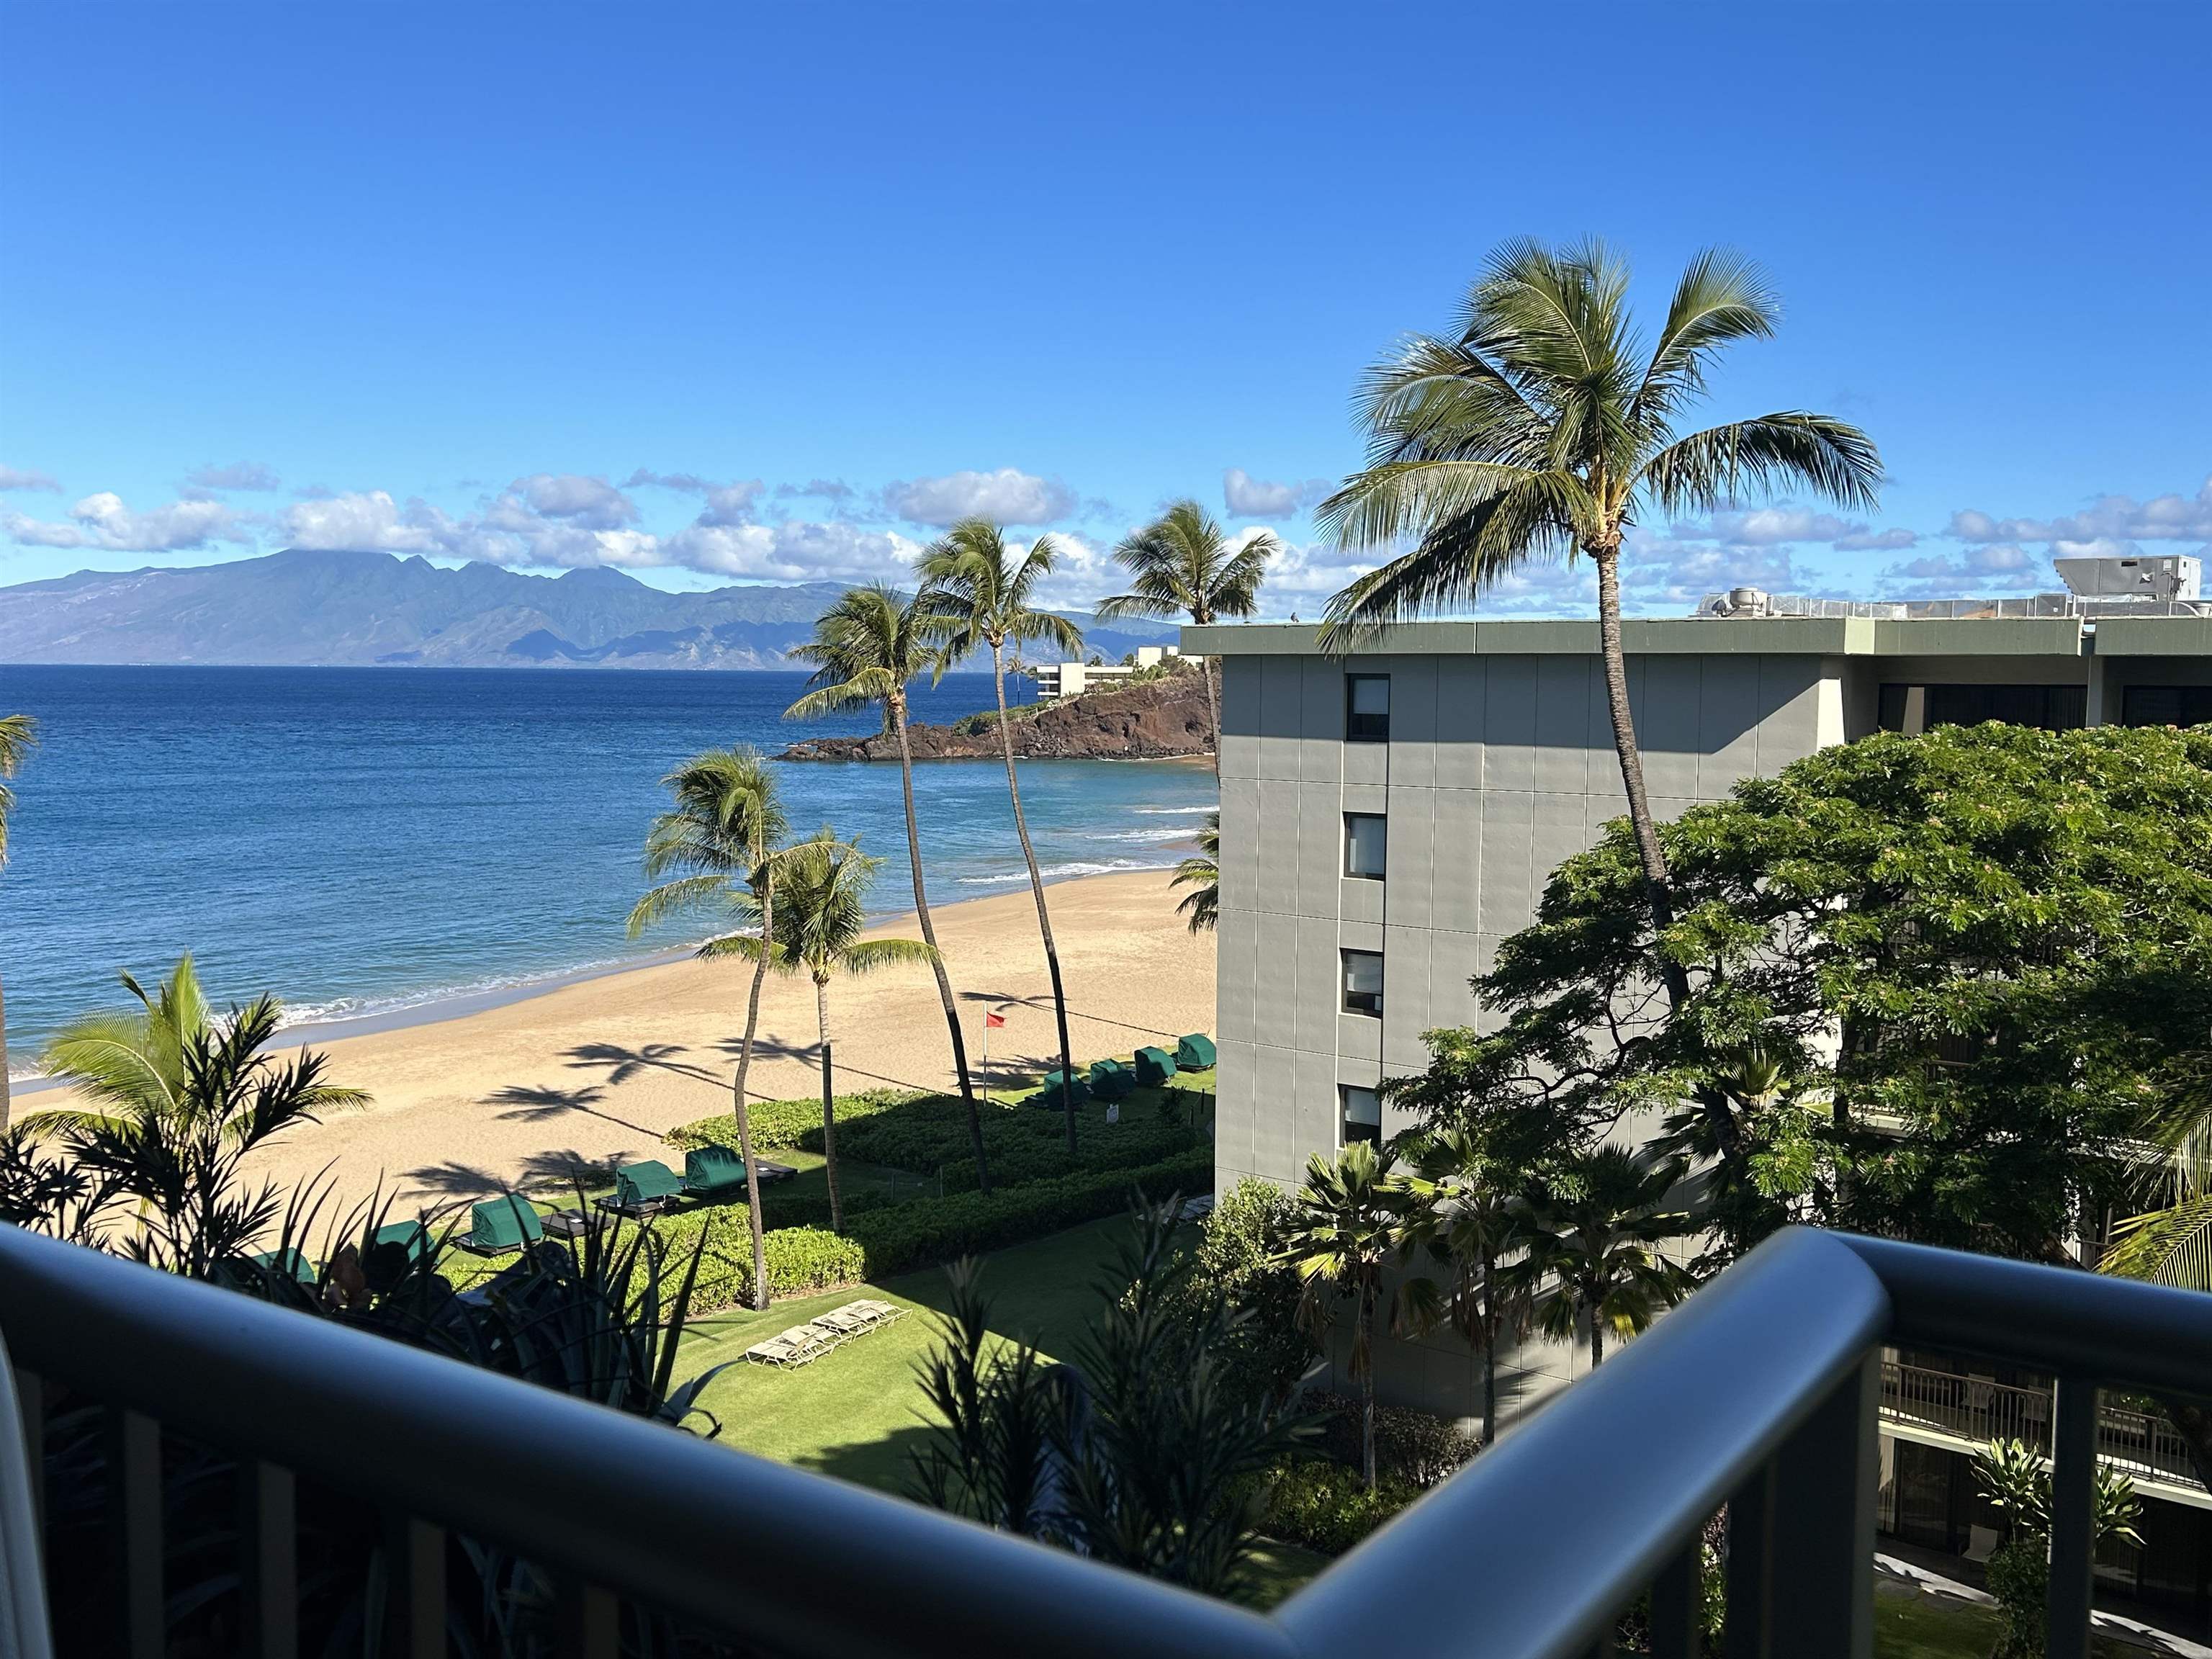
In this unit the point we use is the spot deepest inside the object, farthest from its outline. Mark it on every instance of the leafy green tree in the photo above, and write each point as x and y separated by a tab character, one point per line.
1591	1242
867	648
1355	1218
977	593
821	913
1202	873
1540	430
1182	565
724	834
1239	1262
1970	957
18	732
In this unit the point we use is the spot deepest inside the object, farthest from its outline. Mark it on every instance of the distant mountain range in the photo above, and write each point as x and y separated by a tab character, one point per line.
301	608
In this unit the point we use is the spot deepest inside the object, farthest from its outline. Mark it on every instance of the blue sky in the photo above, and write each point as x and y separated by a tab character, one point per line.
722	293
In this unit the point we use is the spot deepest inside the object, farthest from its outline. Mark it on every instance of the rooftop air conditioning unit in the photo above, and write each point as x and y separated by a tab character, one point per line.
2173	576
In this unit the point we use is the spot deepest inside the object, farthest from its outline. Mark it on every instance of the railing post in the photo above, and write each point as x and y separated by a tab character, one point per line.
1747	1631
31	1405
2073	1519
1678	1605
415	1598
1827	1479
588	1620
269	1569
134	1461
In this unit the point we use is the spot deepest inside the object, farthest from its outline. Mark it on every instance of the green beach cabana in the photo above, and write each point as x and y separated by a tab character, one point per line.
644	1187
1154	1067
1111	1080
1194	1052
498	1225
1049	1087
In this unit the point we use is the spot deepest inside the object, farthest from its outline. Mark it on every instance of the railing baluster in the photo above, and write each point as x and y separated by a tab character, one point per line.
1827	1475
269	1559
31	1404
134	1446
1746	1630
2073	1519
587	1621
1677	1606
415	1605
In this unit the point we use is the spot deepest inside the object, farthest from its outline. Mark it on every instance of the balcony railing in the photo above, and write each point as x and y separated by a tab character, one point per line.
1761	1393
2137	1443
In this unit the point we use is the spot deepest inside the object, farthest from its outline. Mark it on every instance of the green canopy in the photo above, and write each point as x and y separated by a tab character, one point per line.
1154	1067
1195	1052
504	1223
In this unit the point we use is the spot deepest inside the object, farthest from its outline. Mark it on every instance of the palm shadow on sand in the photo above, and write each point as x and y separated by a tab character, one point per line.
540	1104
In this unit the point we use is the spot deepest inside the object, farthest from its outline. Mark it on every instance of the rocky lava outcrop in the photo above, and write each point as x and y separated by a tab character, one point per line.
1154	719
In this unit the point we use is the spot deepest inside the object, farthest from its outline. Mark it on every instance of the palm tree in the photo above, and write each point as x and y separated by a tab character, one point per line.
867	648
1182	565
134	1064
821	913
977	593
18	732
1592	1247
723	831
1466	1212
1540	432
1354	1217
1202	873
2171	1243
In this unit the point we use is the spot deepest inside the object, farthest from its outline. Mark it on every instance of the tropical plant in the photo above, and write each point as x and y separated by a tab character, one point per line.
2016	1481
1202	873
18	732
1590	1243
867	648
724	833
1466	1214
2171	1243
180	1150
1355	1217
1182	565
977	592
1540	431
821	913
1239	1260
988	1455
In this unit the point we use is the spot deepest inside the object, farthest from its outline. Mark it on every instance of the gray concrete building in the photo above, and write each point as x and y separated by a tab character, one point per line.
1388	816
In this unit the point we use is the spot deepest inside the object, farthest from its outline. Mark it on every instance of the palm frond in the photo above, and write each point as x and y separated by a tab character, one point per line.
2165	1247
19	735
1783	450
869	955
1722	298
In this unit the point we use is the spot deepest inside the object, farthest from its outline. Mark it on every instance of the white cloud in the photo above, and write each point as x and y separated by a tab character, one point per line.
1875	541
1776	526
1248	497
795	551
593	503
366	520
103	521
2112	524
18	478
1992	568
1007	496
239	474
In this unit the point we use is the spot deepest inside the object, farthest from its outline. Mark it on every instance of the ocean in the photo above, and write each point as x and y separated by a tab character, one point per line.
365	841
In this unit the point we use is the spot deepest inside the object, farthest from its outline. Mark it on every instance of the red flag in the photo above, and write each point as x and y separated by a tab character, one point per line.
994	1021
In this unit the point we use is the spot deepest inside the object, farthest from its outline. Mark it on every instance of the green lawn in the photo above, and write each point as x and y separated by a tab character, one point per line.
855	1413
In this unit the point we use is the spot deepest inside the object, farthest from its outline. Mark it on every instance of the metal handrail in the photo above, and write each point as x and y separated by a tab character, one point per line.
1979	1409
1762	1393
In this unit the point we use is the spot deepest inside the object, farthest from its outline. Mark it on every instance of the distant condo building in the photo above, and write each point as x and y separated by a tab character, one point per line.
1055	680
1389	817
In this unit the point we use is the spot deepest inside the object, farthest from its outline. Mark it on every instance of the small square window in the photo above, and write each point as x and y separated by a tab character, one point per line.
1362	1113
1367	708
1363	845
1363	981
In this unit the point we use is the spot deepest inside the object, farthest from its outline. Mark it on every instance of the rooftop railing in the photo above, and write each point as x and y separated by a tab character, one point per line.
1760	1395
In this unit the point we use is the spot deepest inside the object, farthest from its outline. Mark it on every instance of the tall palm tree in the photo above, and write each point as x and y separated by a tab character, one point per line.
1466	1213
1354	1217
18	732
1182	565
868	648
1592	1247
1202	873
821	913
2171	1242
724	833
978	593
1541	431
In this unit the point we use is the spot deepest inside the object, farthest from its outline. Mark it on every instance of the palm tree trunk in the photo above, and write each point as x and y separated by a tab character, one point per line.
1213	708
740	1109
828	1108
1037	886
896	708
1597	1339
3	1057
1367	1385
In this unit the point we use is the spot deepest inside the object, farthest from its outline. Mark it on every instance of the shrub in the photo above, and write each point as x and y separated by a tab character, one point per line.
812	1259
1327	1506
2019	1576
1416	1447
781	1125
1240	1257
932	1229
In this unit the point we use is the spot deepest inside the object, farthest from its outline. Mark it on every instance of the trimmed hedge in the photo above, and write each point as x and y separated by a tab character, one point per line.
903	1236
781	1125
1327	1507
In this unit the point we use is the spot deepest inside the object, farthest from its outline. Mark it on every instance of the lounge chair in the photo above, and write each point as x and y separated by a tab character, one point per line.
643	1188
412	1234
1111	1080
292	1262
716	1172
1194	1052
499	1225
1154	1067
1049	1087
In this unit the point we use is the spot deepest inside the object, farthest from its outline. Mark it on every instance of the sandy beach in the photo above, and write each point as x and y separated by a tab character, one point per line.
602	1068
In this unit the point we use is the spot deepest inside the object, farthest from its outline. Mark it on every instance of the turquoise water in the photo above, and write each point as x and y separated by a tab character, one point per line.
361	840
